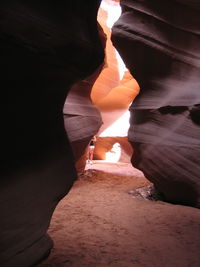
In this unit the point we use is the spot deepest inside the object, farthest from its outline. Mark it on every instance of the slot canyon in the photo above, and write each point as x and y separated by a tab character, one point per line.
127	74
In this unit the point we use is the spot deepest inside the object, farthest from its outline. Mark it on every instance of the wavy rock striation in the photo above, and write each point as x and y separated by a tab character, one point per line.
82	118
160	45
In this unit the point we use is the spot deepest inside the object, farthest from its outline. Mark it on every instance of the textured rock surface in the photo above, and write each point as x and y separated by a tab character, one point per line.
161	47
82	119
115	88
44	49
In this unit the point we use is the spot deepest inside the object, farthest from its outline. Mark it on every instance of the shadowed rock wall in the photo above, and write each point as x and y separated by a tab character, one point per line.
82	118
45	48
160	44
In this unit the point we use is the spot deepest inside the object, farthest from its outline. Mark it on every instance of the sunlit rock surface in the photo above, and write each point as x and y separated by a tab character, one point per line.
111	89
159	42
115	88
112	93
44	49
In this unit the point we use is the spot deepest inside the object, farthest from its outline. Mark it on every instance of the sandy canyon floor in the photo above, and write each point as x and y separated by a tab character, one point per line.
99	223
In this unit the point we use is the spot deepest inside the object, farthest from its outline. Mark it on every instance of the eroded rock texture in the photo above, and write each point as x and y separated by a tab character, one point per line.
82	118
45	48
159	41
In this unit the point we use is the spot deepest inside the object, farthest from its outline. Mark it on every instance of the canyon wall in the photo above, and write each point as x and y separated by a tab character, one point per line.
49	49
45	49
160	44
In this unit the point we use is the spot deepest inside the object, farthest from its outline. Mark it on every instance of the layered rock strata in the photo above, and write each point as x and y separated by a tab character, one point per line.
82	118
45	48
160	44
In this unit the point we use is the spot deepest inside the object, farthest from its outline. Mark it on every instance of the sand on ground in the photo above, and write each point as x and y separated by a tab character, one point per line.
99	223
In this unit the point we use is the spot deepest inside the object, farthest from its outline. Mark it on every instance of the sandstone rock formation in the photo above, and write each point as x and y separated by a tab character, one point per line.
45	48
160	44
111	89
82	118
49	48
112	93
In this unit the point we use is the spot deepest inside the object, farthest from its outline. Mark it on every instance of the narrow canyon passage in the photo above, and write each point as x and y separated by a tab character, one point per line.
100	224
125	73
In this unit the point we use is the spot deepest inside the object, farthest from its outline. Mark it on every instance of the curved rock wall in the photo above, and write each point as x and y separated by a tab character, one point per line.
82	119
160	44
45	48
